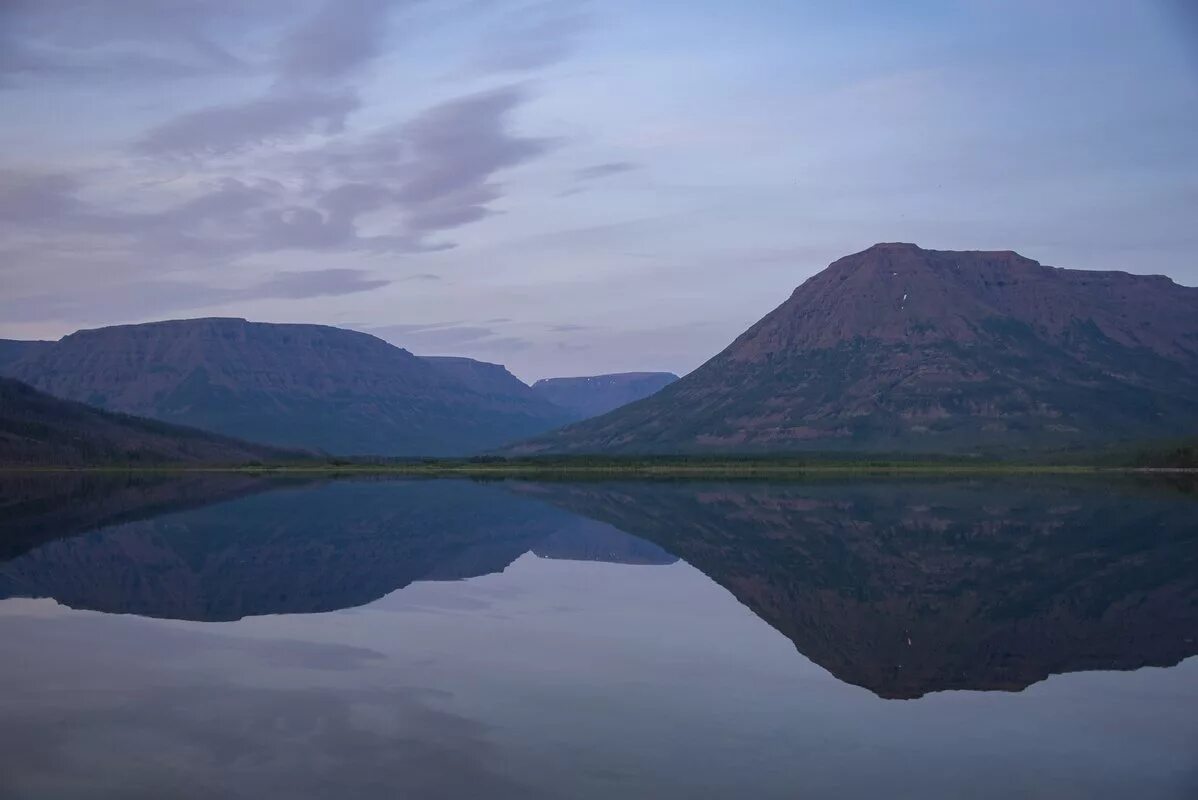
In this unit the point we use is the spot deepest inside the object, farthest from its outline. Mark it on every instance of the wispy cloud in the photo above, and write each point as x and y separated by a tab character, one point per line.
595	171
224	129
342	37
125	300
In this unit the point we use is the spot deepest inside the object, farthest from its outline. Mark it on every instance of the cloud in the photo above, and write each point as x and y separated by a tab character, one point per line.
128	300
211	186
454	151
339	39
596	171
31	197
143	40
457	146
433	173
432	335
534	37
224	129
451	338
436	171
315	283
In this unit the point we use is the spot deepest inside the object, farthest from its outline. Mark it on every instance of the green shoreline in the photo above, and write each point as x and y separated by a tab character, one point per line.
617	468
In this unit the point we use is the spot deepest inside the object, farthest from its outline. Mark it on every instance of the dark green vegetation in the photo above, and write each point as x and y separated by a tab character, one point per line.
39	430
899	349
668	467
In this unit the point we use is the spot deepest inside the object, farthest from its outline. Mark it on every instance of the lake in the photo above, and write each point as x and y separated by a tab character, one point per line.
208	635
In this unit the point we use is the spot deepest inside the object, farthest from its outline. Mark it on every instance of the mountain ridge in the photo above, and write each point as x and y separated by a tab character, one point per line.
311	386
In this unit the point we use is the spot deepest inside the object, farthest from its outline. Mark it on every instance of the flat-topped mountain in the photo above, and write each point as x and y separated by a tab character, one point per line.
310	386
590	396
37	429
900	348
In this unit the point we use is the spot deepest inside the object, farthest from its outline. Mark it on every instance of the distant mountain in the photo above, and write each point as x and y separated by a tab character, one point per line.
37	429
309	386
593	395
899	348
495	383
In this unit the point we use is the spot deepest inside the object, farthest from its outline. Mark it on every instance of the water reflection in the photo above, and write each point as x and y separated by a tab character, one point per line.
279	548
900	587
455	639
907	588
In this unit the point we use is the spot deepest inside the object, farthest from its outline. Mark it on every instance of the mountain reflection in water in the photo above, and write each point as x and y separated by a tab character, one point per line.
901	587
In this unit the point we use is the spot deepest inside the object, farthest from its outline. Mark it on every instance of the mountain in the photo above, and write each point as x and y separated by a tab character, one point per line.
561	400
900	348
309	386
907	587
36	428
499	386
593	395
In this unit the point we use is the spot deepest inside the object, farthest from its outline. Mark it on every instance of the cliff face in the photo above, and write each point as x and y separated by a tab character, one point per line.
899	348
309	386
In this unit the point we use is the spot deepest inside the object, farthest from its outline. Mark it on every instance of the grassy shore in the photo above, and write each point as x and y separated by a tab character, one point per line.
630	467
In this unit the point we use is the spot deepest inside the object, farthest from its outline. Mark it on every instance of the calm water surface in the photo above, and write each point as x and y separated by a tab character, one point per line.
227	636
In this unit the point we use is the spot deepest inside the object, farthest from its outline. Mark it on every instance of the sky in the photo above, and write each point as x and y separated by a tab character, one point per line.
570	188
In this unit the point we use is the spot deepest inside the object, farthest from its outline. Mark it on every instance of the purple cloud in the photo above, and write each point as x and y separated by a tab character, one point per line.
125	300
336	41
596	171
219	130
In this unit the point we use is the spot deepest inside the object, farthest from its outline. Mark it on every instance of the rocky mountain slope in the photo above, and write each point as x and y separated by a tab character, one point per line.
37	429
593	395
900	348
309	386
